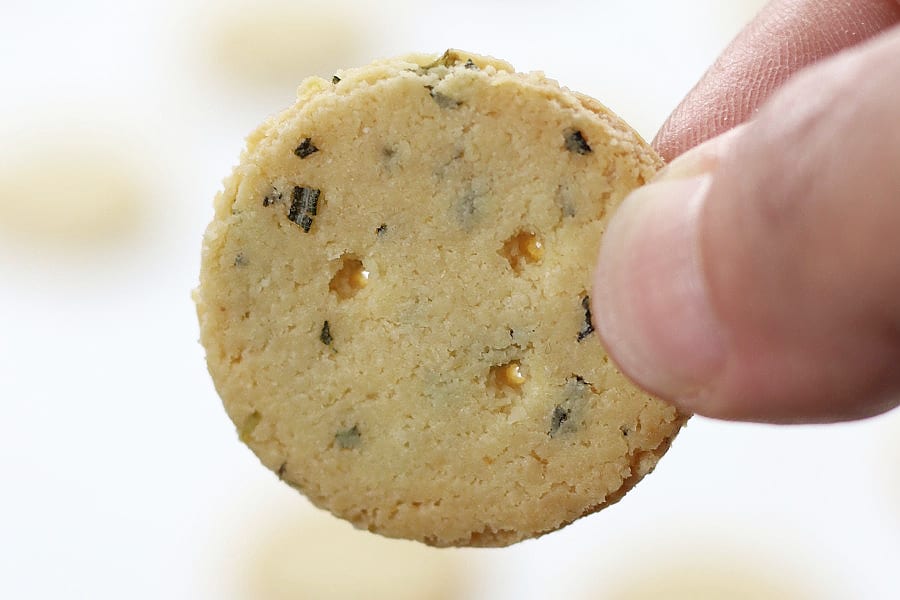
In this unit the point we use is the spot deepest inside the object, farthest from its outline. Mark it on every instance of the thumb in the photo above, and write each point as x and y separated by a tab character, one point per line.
758	277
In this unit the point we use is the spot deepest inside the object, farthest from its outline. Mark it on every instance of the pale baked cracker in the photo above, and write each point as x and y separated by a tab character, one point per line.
394	305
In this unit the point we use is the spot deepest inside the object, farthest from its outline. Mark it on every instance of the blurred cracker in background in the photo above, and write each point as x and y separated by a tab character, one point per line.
714	574
65	188
273	45
713	559
292	552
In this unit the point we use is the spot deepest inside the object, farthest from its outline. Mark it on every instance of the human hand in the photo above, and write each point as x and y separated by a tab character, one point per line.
758	277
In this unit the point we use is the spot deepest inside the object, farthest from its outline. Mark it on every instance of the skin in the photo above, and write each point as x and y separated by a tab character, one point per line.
758	277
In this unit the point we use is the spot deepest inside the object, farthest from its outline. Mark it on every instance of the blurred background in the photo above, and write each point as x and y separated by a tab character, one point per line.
122	476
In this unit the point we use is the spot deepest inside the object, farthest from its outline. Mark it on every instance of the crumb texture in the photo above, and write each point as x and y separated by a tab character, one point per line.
397	321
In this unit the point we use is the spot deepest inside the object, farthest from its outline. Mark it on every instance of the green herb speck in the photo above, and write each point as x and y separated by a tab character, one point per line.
560	416
574	394
348	439
447	59
304	206
587	327
305	148
306	200
381	230
325	335
466	207
240	260
443	100
335	80
576	143
273	198
249	425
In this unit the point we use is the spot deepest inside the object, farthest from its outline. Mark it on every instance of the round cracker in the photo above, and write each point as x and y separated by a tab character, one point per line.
394	301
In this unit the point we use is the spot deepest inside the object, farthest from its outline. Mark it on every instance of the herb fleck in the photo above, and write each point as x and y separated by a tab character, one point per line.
587	328
306	198
560	416
305	148
246	430
240	260
348	439
576	143
270	200
470	64
304	206
325	336
625	431
447	59
381	230
574	394
335	80
466	208
295	212
442	99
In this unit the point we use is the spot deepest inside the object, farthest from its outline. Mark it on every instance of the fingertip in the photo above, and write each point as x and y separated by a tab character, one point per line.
650	301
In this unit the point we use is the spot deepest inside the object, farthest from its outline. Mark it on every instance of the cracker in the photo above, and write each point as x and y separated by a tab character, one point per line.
394	300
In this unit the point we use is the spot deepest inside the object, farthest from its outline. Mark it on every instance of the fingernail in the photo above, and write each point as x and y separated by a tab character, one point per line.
650	300
702	159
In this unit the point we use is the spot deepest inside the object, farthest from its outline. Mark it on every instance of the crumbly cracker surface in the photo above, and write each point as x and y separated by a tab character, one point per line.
394	301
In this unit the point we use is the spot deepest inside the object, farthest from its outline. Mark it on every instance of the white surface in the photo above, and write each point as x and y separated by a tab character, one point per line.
122	475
